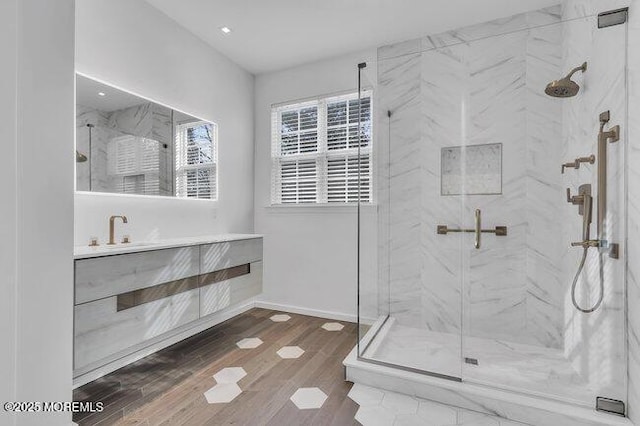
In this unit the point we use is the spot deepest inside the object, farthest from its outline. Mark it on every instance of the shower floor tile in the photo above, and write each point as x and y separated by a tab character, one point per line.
506	365
379	407
418	349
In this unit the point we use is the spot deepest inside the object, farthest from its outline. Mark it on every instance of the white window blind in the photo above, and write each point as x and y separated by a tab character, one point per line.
197	160
314	150
133	163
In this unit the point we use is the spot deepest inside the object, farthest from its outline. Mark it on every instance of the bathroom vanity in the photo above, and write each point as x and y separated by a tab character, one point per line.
133	297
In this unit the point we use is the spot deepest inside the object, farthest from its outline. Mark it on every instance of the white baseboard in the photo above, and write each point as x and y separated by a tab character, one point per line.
307	311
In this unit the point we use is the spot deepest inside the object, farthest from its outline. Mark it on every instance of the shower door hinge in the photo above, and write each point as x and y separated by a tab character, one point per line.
611	406
612	17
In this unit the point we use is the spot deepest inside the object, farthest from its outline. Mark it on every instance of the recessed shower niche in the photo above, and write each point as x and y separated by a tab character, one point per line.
471	170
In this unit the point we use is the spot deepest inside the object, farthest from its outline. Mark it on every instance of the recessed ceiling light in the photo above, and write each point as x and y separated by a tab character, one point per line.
102	94
225	30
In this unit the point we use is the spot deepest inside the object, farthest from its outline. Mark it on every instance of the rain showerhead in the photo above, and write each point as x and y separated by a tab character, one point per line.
80	158
565	88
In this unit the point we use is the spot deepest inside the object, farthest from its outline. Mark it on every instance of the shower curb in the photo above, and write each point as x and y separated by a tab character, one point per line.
517	407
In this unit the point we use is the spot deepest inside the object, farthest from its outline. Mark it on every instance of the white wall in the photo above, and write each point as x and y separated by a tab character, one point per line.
310	252
37	210
8	255
136	47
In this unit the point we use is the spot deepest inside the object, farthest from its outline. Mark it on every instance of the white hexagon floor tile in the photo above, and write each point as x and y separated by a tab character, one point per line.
280	318
308	398
249	343
290	352
365	395
222	393
332	326
230	375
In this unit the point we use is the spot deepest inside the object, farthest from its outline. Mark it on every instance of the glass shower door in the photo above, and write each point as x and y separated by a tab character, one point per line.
521	329
409	279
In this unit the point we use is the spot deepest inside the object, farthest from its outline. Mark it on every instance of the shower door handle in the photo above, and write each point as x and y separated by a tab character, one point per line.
478	229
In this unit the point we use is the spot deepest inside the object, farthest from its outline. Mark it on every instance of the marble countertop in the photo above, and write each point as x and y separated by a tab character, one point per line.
86	252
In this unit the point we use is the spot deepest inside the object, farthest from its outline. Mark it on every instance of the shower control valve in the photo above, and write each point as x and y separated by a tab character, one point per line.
569	166
574	199
583	200
576	164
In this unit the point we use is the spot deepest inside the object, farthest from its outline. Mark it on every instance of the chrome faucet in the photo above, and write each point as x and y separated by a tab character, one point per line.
112	220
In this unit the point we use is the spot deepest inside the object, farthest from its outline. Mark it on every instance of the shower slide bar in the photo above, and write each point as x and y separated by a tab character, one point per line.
499	231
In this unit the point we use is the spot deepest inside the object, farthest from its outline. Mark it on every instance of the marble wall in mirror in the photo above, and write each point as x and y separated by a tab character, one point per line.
130	145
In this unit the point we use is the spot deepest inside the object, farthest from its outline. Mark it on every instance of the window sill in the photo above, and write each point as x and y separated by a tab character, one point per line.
321	208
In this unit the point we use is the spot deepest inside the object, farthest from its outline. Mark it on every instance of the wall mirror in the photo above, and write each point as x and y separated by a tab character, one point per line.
127	144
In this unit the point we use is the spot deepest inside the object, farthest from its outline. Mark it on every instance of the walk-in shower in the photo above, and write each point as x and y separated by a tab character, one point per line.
467	270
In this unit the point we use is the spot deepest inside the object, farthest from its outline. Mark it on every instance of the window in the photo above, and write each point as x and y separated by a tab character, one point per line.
314	150
196	160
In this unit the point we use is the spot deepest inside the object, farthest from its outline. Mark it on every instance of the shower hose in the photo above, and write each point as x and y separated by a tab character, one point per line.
575	283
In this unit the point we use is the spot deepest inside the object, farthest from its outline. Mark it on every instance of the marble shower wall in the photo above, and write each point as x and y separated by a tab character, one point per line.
478	85
151	121
544	191
147	120
92	175
399	91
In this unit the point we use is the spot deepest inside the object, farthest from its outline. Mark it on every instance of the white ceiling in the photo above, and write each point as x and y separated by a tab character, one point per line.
270	35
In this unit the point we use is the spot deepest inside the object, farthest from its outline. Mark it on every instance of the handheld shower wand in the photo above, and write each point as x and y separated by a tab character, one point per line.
585	208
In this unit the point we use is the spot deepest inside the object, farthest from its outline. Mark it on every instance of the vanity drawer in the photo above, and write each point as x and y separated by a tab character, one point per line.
107	276
222	294
101	331
217	256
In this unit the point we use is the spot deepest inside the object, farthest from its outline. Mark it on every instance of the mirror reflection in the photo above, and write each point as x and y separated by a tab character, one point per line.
129	145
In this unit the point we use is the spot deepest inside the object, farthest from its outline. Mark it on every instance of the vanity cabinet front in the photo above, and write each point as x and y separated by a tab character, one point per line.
125	301
101	277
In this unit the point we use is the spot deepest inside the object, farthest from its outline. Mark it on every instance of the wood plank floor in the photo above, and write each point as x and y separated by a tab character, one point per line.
167	388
